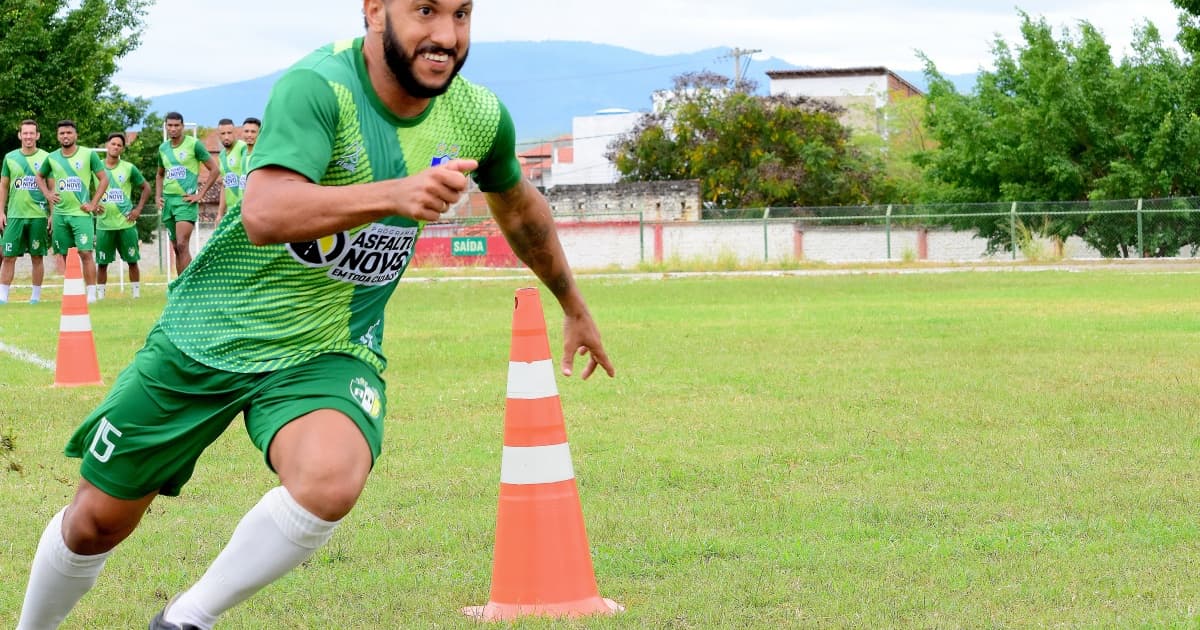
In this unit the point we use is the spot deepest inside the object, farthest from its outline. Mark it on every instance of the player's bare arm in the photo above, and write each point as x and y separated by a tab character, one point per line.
524	217
93	206
277	199
4	182
46	185
214	171
158	186
141	204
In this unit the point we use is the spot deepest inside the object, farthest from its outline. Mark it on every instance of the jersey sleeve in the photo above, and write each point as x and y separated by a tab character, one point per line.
500	170
44	169
135	176
299	125
202	153
96	163
4	168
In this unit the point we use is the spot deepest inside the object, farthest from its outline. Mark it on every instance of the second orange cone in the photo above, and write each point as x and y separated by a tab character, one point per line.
76	363
542	563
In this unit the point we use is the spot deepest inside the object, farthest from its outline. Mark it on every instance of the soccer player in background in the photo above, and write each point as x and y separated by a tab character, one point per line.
65	179
116	229
177	188
365	140
24	221
232	161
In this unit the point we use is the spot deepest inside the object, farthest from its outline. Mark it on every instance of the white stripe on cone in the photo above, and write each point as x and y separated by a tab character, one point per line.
529	381
525	465
74	286
75	323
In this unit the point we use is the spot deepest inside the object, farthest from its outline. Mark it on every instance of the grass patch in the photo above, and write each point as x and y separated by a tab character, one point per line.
949	450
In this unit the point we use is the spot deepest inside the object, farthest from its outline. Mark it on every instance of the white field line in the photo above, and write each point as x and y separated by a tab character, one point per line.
27	357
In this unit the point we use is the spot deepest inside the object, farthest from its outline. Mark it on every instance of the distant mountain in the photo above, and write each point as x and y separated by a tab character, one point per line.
543	84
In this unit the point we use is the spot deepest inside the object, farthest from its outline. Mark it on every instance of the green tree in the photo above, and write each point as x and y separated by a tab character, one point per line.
1060	121
746	150
59	57
143	153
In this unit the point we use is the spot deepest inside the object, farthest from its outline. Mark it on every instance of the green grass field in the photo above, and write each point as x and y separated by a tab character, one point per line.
948	450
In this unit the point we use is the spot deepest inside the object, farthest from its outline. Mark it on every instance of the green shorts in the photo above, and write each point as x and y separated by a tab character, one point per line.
25	236
110	242
166	408
176	210
73	231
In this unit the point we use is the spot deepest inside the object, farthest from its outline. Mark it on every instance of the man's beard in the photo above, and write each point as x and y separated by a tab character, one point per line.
401	65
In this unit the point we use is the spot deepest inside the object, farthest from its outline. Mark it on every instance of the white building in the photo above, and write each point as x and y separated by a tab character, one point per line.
862	91
592	135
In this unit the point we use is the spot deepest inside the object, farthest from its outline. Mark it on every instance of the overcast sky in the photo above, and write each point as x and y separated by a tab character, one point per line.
184	47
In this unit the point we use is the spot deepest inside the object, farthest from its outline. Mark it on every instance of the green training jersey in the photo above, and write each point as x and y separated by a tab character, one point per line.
73	178
25	199
124	183
181	165
246	308
233	173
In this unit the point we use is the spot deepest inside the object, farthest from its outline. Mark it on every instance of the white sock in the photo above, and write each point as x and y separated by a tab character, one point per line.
37	292
273	538
91	293
4	292
100	291
58	579
137	289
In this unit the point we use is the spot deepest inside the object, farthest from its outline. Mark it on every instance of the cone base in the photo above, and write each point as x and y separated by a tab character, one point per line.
579	608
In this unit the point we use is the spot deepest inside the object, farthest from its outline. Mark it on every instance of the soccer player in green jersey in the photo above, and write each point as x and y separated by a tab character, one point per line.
281	317
232	161
24	223
116	229
65	179
177	188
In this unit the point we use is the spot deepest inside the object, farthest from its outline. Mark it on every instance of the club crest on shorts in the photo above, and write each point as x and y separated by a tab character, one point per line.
366	396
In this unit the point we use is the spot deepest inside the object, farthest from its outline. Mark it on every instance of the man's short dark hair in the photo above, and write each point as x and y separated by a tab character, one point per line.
252	121
116	134
67	122
225	121
27	121
174	116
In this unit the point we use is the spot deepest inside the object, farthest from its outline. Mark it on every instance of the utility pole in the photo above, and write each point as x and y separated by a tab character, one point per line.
736	54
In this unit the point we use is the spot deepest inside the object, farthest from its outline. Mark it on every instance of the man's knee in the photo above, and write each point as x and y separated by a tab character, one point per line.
328	497
96	522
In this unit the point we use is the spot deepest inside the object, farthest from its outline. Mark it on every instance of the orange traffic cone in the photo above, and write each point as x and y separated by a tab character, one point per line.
76	363
542	564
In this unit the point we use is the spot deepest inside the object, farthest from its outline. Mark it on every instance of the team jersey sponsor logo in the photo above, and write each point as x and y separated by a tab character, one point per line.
232	180
114	195
177	172
27	183
242	181
70	184
367	397
375	256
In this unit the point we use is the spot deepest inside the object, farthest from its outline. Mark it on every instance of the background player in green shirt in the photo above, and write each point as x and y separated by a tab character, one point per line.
116	229
24	221
177	191
65	179
232	161
281	316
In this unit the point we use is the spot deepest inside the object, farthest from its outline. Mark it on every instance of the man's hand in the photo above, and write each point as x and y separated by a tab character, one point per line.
195	197
158	202
427	195
3	221
581	337
137	212
91	208
53	198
